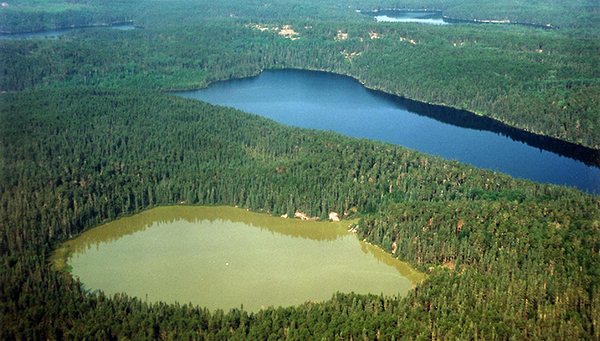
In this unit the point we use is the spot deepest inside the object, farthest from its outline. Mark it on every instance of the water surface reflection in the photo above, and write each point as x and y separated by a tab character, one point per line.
222	257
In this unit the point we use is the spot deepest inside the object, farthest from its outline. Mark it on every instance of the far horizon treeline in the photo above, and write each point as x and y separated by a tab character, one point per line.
508	258
578	16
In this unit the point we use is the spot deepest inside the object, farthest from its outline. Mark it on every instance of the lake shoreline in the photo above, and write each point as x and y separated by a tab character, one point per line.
224	258
593	160
58	258
451	20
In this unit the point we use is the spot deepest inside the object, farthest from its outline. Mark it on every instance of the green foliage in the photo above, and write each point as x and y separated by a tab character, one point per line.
37	15
28	15
525	255
516	263
536	80
508	259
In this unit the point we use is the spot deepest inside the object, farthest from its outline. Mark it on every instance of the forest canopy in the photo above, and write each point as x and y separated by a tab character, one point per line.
89	133
92	155
27	15
546	81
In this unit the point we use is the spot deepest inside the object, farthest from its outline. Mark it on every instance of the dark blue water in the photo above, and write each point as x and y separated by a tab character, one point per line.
326	101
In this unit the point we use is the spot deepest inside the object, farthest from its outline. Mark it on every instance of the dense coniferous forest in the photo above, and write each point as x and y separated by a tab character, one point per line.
88	135
91	155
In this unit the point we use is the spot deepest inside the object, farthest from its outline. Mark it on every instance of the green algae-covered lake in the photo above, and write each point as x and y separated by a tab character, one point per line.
225	257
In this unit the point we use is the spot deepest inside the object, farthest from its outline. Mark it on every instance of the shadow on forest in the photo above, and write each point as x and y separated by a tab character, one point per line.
466	119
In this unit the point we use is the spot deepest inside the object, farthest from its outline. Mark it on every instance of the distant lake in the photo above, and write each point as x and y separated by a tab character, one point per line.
58	32
327	101
424	17
225	257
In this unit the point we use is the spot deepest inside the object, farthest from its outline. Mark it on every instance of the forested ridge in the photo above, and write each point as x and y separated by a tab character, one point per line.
88	135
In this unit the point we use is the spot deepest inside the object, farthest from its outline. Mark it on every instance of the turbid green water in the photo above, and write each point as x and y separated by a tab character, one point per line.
223	257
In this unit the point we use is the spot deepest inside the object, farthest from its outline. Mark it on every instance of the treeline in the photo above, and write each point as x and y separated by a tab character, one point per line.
508	258
33	16
501	250
531	79
30	15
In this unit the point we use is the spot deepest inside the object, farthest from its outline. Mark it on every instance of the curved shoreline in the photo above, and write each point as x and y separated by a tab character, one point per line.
587	155
60	259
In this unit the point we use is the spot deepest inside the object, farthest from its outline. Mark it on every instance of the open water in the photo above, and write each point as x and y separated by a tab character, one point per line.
327	101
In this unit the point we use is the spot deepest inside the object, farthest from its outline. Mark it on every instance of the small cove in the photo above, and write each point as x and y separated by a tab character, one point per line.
223	257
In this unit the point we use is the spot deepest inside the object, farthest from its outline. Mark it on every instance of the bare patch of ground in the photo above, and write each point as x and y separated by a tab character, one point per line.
286	31
409	40
341	36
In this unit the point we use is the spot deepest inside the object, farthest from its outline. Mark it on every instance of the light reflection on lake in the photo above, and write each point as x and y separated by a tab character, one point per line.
423	17
434	18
